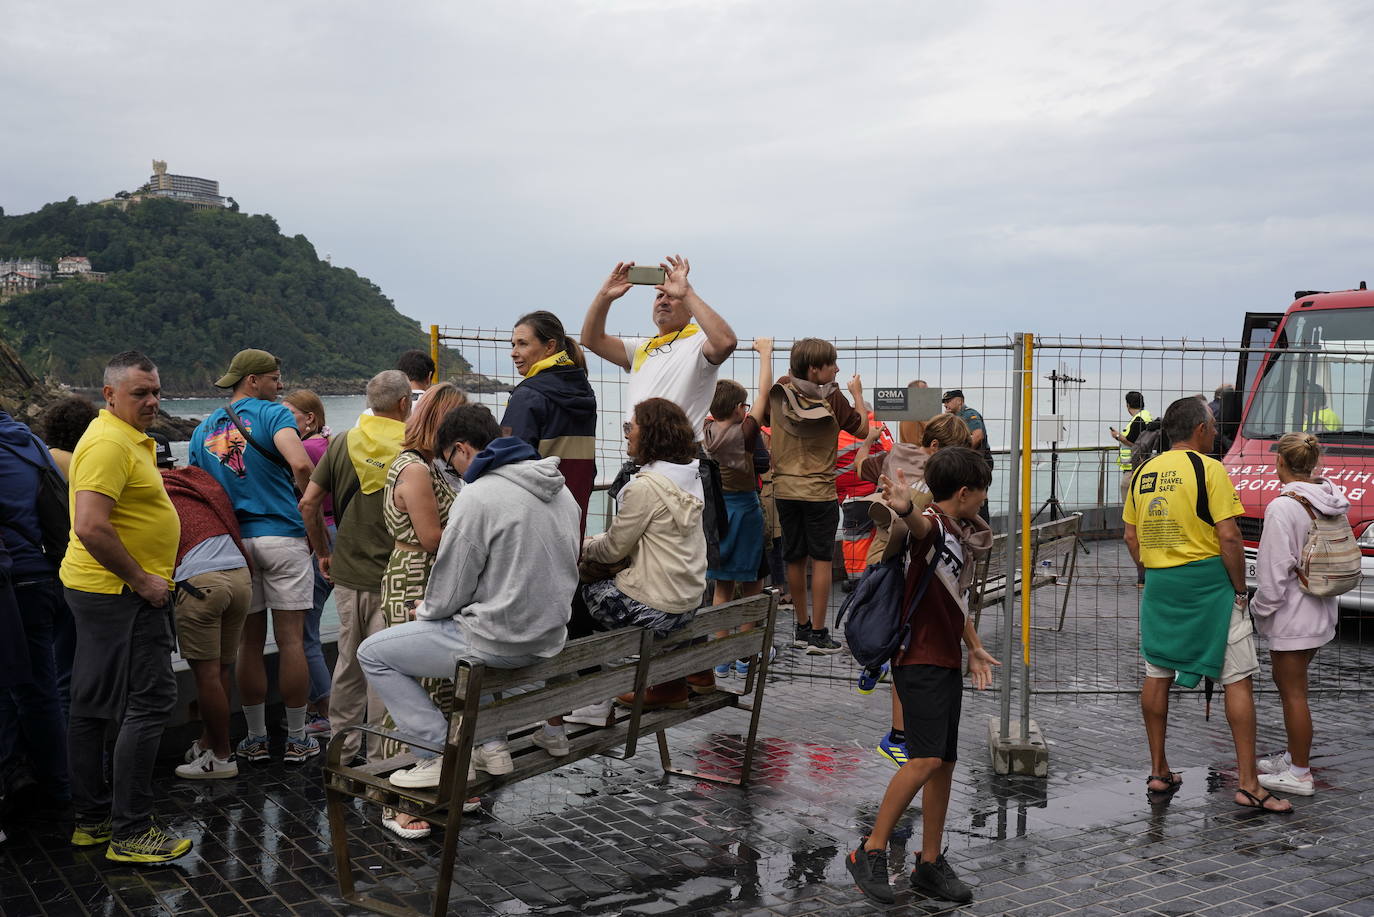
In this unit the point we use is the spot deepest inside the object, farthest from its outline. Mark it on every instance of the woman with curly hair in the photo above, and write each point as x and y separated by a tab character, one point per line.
655	541
62	426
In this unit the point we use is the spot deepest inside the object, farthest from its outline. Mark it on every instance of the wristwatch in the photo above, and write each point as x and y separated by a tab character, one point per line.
910	508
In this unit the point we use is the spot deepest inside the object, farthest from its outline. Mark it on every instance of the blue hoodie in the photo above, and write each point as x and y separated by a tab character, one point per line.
19	500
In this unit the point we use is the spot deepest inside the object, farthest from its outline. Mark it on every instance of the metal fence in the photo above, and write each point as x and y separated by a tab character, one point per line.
1075	391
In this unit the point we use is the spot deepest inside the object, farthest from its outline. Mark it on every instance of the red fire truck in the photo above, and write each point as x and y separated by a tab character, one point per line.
1318	375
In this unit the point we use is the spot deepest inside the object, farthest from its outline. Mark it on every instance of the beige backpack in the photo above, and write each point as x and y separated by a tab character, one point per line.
1329	562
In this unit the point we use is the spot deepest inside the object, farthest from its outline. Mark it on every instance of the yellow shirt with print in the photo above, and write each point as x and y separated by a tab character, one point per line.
1162	506
119	461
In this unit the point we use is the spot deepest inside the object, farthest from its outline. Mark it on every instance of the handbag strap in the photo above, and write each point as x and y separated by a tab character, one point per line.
939	550
248	438
1306	504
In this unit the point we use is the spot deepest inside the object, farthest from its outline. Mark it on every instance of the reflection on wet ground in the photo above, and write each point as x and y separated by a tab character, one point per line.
609	837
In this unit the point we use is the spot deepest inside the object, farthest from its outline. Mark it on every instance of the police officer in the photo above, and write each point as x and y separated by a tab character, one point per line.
1136	419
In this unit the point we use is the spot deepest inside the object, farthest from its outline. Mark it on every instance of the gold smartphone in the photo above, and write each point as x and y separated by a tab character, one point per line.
651	276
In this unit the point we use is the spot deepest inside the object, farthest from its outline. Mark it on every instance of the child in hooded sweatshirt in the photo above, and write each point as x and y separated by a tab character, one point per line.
1295	624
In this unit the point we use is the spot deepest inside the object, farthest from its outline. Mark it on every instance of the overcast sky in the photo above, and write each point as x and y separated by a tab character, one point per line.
830	168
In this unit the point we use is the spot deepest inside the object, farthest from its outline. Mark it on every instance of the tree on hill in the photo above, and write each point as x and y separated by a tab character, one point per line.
192	287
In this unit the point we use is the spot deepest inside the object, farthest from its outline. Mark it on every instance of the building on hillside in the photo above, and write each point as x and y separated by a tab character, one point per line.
73	264
198	192
32	266
16	283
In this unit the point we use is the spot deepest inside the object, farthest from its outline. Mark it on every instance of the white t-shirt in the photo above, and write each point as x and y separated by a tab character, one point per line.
678	372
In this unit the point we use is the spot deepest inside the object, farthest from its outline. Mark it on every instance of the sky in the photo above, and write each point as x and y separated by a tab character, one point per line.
878	168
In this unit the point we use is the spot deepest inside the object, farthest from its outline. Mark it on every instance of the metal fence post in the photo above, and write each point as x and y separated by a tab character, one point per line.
1027	390
1018	361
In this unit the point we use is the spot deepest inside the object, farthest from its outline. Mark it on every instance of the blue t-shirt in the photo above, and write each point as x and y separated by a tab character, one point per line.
262	492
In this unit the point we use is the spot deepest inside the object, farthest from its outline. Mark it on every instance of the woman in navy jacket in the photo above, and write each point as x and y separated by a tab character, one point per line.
554	408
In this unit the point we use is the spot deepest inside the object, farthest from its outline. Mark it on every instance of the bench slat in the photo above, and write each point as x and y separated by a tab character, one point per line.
514	711
753	610
577	654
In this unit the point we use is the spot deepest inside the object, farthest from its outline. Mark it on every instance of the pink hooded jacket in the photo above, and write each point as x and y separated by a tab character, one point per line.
1288	617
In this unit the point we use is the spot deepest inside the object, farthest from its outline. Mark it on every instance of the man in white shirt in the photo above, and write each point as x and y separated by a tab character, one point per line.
681	361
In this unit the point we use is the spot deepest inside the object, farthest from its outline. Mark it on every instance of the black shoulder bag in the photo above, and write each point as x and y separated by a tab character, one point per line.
272	457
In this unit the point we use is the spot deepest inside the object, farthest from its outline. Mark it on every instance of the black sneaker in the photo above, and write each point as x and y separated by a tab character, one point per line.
803	637
151	847
869	869
939	881
821	644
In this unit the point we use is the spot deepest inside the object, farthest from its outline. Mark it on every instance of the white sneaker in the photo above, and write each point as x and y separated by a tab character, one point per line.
494	759
1275	765
208	767
194	752
421	776
598	715
556	744
1288	782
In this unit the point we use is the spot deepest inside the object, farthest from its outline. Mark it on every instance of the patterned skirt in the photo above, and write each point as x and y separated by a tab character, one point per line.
407	573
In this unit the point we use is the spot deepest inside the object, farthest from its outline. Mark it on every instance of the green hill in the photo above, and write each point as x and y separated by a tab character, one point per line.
190	288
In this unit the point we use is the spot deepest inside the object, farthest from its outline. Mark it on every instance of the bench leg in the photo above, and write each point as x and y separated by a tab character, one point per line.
1068	586
338	838
682	772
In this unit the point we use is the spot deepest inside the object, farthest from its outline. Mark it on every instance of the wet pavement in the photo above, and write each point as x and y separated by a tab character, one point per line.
606	837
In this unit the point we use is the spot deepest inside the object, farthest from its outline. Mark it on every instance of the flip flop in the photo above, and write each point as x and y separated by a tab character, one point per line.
1258	802
410	834
1174	780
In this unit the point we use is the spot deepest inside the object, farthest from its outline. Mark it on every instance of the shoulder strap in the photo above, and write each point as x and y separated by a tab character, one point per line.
248	438
1306	504
939	550
1204	511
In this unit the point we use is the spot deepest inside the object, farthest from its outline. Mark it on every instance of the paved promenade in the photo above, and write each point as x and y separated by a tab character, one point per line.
617	838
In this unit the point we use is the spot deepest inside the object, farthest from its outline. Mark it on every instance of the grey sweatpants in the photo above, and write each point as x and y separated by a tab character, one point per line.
122	681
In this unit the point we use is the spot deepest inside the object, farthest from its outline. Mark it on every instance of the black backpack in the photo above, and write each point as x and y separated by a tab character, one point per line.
878	627
53	504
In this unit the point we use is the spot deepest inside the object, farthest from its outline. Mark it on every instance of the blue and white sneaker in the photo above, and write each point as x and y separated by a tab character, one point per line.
723	670
893	751
253	749
742	665
869	679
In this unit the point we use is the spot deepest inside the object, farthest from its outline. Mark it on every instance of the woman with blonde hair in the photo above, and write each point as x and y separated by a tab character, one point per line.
1295	624
418	498
305	406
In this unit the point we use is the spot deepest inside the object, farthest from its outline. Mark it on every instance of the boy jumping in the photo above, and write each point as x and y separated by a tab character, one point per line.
926	676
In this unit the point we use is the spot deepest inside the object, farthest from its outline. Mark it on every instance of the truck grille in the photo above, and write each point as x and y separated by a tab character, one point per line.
1250	528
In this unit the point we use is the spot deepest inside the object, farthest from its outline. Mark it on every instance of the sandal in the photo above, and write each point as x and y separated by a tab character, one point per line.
406	832
1173	779
1258	802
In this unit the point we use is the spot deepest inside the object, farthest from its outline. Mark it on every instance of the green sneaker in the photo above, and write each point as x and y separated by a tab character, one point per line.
152	846
88	834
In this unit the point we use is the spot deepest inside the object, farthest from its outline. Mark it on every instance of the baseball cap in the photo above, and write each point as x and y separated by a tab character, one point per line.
164	451
248	363
952	393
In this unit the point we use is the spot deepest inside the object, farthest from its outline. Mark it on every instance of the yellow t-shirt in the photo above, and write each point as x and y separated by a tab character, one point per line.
1162	505
118	461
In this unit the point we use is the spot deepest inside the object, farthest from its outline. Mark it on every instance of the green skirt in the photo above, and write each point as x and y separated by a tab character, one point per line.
1184	616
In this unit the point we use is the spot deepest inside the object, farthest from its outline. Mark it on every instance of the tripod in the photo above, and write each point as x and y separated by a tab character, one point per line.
1052	503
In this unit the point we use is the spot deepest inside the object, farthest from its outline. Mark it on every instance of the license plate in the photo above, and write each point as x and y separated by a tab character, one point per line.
1250	572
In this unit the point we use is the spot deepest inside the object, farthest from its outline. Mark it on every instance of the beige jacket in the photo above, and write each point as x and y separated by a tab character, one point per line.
659	529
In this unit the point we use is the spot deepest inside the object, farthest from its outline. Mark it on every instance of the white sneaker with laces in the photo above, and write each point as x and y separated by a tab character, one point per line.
598	715
421	776
194	752
208	767
1278	764
493	758
1288	782
556	744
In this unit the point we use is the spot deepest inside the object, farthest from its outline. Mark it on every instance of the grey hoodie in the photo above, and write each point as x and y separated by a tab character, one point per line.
507	563
1290	618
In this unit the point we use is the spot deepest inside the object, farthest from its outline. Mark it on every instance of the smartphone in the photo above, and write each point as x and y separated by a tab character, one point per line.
652	276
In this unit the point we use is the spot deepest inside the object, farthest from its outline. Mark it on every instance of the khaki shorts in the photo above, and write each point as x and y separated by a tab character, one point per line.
209	628
1241	660
283	577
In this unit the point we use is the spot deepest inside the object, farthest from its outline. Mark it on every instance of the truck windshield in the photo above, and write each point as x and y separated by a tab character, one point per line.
1324	384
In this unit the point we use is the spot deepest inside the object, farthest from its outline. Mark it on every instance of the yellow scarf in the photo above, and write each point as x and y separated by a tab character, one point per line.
372	444
643	350
559	359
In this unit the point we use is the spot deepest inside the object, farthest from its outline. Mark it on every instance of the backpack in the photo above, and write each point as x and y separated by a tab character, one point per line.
53	504
877	628
1329	562
1148	444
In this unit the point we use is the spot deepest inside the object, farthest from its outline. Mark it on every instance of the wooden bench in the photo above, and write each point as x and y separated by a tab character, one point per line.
1055	541
630	660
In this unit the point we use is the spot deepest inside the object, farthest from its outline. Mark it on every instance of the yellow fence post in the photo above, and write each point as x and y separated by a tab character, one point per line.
1027	443
434	350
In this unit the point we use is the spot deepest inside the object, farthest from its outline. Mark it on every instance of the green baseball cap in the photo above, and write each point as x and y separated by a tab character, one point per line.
248	363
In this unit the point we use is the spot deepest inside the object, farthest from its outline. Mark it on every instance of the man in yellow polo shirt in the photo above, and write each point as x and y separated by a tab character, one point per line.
1180	517
118	578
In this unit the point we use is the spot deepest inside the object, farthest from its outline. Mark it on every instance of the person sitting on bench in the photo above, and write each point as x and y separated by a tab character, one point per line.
500	591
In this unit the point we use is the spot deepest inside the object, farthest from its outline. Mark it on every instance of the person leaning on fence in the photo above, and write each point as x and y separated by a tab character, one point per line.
118	577
1294	623
554	407
927	674
214	590
936	434
353	471
807	412
648	569
499	591
1180	518
731	436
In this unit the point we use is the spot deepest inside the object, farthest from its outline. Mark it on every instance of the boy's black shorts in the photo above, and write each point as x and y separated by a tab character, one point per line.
808	529
932	697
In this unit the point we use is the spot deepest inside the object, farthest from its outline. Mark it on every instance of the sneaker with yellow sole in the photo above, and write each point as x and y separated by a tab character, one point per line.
88	834
150	847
